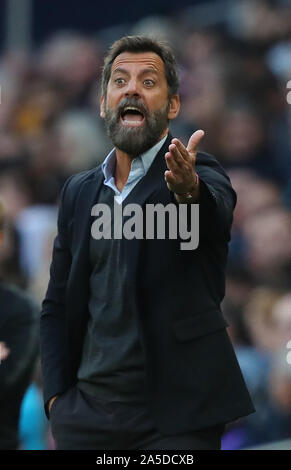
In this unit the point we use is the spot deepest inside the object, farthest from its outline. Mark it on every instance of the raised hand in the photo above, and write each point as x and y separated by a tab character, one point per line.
180	176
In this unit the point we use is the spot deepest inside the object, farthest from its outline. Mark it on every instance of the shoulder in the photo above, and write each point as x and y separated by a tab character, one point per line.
76	181
74	184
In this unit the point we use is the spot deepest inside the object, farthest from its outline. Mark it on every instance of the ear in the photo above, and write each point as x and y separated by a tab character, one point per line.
174	107
102	106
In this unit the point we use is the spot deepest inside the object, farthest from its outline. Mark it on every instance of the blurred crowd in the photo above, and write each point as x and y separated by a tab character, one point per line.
234	70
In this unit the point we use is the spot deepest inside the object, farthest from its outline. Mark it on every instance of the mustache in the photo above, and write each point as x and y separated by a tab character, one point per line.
131	102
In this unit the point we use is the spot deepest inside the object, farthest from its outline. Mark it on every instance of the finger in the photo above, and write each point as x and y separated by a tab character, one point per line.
183	166
171	162
182	149
173	149
177	162
195	140
170	178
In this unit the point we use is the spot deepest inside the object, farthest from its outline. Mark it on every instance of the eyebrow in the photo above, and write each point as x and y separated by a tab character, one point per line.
143	72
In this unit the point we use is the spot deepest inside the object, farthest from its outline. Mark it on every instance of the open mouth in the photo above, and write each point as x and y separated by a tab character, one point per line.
132	116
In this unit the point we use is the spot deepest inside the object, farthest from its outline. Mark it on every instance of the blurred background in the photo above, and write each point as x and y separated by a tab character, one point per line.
235	65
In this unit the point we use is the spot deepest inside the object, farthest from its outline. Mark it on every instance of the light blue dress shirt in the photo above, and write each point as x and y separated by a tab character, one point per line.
138	169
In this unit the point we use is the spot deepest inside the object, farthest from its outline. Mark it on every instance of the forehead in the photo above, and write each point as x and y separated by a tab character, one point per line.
139	59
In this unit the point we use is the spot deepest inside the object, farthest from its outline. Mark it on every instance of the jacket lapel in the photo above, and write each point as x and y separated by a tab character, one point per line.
82	220
87	198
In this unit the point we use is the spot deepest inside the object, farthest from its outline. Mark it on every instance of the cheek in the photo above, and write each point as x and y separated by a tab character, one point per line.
156	102
113	101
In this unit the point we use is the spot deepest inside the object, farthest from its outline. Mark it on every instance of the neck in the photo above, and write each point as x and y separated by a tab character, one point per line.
122	169
123	165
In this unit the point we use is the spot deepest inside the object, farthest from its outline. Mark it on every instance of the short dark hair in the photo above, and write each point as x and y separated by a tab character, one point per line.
142	44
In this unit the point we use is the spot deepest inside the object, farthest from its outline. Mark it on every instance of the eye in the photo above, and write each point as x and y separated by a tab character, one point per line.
149	82
119	81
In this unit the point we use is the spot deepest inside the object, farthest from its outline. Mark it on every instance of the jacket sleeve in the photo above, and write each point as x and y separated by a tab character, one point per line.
217	198
53	315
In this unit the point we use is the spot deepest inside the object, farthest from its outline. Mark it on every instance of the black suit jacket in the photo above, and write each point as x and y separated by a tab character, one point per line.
193	377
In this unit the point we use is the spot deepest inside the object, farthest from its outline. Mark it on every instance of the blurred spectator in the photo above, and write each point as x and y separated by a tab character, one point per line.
157	26
254	195
261	21
82	143
34	431
239	286
268	317
39	102
33	423
35	226
280	390
268	247
279	60
242	143
74	61
19	339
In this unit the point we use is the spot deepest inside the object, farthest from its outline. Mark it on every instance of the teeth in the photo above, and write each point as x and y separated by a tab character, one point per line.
130	108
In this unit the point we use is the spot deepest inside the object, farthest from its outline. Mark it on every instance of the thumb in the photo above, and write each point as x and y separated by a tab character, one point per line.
194	141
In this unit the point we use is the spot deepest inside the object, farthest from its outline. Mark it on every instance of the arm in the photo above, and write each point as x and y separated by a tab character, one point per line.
53	315
198	178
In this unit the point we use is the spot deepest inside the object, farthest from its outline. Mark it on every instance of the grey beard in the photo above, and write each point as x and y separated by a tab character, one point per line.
136	140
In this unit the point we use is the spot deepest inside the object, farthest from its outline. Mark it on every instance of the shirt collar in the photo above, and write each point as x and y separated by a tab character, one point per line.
146	159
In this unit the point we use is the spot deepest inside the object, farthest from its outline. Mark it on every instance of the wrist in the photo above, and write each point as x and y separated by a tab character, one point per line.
192	193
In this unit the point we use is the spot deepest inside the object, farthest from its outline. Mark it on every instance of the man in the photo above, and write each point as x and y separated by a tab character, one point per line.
18	354
135	351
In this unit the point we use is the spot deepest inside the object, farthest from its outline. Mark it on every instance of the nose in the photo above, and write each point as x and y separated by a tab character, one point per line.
132	88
